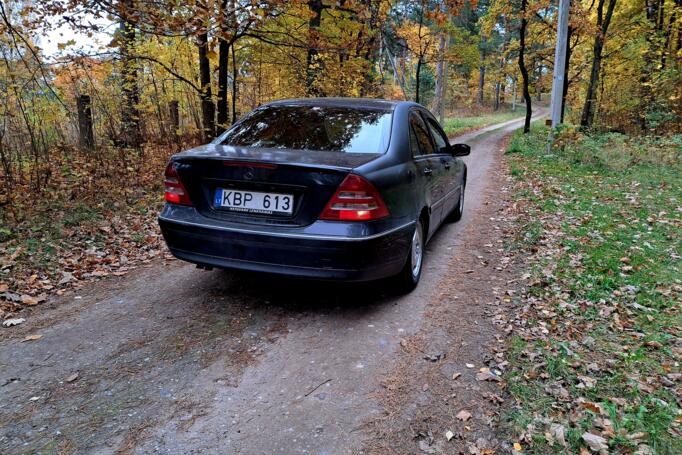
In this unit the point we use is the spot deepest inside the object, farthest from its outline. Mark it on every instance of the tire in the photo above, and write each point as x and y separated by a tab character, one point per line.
409	276
458	211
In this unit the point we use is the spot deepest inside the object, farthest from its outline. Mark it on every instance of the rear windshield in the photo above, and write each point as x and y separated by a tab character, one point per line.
319	128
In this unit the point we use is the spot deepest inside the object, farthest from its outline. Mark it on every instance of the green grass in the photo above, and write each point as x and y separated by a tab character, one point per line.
459	125
602	218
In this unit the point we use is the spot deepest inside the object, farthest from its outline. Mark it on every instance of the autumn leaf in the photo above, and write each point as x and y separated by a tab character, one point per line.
463	415
32	338
29	300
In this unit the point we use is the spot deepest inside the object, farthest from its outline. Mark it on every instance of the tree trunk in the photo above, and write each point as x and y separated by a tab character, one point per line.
587	117
87	138
514	95
440	80
499	86
130	114
373	48
174	110
481	84
235	87
316	7
223	67
522	66
207	106
496	106
418	79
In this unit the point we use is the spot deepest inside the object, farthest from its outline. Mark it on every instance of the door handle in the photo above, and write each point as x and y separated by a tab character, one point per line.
428	171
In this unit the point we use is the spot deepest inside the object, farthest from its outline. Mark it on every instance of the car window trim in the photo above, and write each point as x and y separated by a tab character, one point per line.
417	112
435	125
411	132
424	118
385	142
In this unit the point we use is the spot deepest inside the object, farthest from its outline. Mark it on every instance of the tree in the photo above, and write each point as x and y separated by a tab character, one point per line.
603	22
522	65
130	114
207	105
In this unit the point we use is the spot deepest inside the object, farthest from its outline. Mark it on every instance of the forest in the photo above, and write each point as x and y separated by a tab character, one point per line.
550	318
172	73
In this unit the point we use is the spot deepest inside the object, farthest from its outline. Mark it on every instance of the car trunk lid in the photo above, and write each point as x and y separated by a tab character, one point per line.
310	177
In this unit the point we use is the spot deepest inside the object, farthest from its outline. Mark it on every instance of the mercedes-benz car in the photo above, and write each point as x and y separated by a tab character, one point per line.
326	188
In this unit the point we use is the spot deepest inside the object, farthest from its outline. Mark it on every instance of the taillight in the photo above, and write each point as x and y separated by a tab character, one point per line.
175	190
355	200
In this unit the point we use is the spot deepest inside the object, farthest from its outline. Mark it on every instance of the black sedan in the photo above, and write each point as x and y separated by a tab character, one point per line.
337	189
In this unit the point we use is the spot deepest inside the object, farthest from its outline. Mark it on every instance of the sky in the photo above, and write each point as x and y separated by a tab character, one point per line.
49	43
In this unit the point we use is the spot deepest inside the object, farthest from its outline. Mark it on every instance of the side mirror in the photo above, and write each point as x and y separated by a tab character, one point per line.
460	149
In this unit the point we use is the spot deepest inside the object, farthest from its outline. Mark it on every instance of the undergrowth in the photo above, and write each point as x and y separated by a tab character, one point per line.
597	347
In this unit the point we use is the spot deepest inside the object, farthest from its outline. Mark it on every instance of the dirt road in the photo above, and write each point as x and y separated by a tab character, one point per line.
179	360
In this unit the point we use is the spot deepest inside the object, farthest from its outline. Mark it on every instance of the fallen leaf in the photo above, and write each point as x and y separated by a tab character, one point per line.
586	382
32	338
435	357
449	435
463	415
635	437
456	375
558	432
3	287
12	322
517	447
470	365
595	442
28	300
644	449
72	378
487	376
594	407
67	277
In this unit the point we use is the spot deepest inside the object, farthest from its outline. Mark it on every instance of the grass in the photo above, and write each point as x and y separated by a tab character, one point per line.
601	316
460	125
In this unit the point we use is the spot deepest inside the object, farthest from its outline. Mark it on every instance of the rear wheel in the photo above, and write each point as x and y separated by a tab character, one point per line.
409	276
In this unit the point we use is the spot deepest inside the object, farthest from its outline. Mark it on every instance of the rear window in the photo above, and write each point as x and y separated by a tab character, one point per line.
319	128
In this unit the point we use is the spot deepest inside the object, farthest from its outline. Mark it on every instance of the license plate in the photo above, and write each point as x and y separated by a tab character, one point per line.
254	201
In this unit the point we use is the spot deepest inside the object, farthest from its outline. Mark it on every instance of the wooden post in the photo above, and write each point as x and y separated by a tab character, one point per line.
87	138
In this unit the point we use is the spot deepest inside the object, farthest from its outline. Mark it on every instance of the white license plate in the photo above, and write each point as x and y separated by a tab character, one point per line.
254	201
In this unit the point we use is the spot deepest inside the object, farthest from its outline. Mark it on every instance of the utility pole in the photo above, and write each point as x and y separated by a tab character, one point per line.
559	61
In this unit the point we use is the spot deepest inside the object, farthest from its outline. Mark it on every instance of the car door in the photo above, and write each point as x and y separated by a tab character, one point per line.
452	167
429	167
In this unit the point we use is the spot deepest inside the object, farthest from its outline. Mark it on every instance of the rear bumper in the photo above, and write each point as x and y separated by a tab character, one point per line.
283	251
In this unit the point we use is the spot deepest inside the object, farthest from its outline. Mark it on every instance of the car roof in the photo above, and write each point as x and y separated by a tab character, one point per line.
362	103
